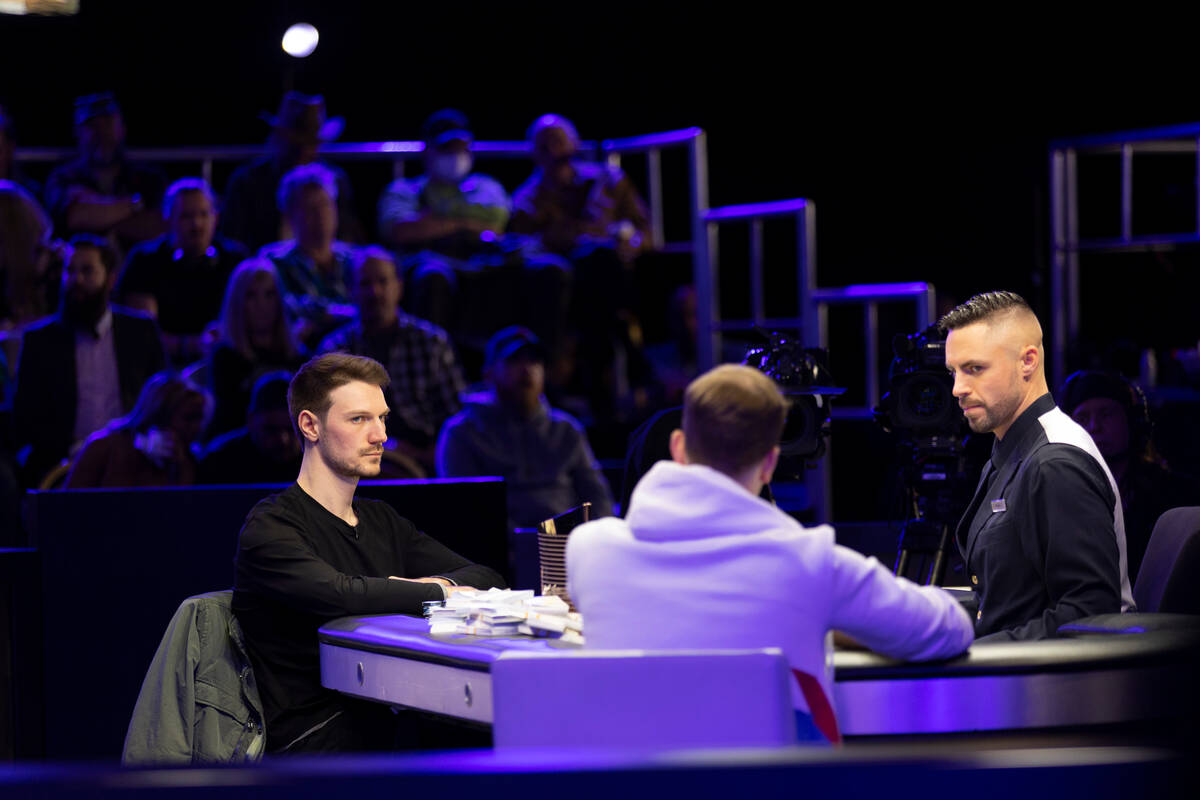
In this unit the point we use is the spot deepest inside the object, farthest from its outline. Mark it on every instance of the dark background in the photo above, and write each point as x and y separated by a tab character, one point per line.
922	138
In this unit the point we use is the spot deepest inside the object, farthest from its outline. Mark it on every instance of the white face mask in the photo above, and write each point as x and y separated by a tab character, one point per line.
450	168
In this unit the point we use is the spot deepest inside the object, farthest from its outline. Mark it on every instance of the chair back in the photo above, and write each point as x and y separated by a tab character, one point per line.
1169	578
642	699
552	549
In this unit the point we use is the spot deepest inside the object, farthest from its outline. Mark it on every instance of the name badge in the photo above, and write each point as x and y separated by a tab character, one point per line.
998	506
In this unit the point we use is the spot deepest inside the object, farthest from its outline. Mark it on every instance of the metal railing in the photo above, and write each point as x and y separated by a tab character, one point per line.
1067	245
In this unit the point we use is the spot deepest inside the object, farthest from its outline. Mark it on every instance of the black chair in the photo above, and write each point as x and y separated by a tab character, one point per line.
1169	578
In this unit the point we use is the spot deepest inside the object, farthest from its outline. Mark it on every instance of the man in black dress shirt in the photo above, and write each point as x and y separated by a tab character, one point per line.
1043	538
313	553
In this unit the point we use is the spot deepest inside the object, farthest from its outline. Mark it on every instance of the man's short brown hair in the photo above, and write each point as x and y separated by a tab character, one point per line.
983	307
732	416
313	383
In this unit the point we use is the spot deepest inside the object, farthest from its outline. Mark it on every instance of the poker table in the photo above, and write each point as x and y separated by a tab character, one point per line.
1129	668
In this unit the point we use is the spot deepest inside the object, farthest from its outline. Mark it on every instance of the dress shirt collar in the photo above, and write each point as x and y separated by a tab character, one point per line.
1024	427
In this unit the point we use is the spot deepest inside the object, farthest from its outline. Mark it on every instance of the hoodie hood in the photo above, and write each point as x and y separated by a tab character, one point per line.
675	502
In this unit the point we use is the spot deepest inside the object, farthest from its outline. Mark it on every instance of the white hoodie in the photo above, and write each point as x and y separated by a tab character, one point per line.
699	562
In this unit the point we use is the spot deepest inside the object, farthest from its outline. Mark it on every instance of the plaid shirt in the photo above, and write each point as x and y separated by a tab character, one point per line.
426	380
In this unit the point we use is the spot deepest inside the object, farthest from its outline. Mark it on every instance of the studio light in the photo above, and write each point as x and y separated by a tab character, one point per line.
300	40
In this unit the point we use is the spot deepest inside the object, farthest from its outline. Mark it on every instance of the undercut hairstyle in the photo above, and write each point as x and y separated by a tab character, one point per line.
732	416
983	307
304	177
186	185
314	382
108	254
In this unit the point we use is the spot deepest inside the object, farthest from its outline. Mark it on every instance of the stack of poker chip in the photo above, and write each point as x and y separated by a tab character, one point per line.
504	612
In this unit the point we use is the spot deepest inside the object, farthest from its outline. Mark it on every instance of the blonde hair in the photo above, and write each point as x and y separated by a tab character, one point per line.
232	325
732	416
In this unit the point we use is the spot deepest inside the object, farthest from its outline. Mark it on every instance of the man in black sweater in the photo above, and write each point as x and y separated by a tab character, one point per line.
313	553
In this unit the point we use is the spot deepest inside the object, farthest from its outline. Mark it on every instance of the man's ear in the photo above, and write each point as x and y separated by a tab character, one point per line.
678	448
1030	358
769	463
309	425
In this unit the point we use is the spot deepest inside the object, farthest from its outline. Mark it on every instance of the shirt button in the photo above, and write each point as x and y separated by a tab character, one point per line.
979	614
974	580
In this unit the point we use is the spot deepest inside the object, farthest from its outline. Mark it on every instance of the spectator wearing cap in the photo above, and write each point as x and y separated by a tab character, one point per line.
463	274
250	214
266	450
426	380
542	453
179	278
1115	412
101	191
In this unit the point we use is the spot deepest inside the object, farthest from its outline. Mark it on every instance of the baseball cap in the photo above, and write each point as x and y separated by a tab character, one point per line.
509	342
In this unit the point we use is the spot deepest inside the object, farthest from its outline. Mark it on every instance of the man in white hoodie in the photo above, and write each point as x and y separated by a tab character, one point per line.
700	561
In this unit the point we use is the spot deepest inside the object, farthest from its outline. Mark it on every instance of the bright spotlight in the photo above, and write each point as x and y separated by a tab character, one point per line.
300	40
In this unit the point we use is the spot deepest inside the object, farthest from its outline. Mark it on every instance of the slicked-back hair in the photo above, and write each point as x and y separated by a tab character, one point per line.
983	307
732	416
314	382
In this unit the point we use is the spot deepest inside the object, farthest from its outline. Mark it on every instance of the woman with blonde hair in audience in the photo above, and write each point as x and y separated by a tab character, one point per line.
153	445
254	338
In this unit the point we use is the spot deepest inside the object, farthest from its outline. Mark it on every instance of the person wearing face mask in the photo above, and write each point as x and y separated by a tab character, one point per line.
463	274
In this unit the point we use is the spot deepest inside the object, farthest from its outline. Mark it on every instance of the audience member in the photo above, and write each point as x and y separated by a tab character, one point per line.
592	214
425	379
253	338
28	261
312	266
463	274
153	445
179	278
266	450
10	168
83	366
314	552
542	454
250	215
102	191
569	203
1043	538
674	361
700	561
1115	413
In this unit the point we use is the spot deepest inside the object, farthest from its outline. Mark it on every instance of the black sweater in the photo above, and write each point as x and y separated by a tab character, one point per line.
299	566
